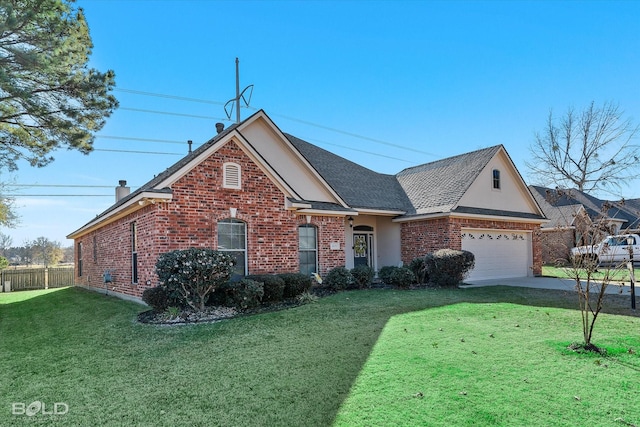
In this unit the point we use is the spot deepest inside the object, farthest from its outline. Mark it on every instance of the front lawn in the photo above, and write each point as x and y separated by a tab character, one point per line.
615	274
481	356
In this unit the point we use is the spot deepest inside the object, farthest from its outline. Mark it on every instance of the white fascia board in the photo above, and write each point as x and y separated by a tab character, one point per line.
379	212
296	205
319	212
136	203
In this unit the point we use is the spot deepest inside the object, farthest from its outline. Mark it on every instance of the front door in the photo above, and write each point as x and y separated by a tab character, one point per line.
362	247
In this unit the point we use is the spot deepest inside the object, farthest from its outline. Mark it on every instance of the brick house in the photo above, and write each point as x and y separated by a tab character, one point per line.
280	204
571	215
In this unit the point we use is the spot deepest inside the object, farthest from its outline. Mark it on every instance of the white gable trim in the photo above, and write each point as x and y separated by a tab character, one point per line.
136	203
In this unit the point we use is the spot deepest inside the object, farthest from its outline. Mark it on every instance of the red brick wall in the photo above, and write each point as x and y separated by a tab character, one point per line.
421	237
110	248
556	245
190	220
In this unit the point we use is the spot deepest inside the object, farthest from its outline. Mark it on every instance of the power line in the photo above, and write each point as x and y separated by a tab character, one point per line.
361	151
305	122
161	95
137	152
167	113
127	138
63	195
60	185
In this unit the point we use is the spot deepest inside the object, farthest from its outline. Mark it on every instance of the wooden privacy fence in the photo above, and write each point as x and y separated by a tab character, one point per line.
36	278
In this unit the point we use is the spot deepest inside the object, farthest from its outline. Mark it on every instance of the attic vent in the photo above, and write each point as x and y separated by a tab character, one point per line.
231	178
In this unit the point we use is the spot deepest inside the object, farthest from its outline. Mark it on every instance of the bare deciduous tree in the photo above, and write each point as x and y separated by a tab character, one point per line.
593	274
592	150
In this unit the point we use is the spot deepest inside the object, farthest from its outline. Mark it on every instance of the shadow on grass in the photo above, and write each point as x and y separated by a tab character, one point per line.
293	367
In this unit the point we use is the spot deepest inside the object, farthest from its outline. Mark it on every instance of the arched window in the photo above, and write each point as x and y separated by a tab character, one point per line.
231	176
232	238
496	179
308	249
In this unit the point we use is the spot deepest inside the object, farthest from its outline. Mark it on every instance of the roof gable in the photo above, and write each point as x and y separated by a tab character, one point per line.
557	203
438	186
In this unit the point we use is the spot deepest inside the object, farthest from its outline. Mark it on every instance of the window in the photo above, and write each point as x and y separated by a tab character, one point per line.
95	249
308	249
80	259
231	176
134	254
496	179
232	238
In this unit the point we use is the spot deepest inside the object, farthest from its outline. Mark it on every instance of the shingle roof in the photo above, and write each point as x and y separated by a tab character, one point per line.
358	186
429	188
558	205
562	215
438	186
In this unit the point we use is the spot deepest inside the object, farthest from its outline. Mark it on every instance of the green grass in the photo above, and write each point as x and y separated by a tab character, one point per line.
615	274
482	356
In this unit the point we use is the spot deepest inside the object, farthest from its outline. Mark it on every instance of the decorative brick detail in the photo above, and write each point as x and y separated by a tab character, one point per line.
190	220
421	237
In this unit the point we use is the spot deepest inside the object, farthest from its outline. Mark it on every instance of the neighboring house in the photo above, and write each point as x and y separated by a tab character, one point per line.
280	204
571	215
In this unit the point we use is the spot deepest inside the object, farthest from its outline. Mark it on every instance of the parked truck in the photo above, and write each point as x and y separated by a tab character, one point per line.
611	250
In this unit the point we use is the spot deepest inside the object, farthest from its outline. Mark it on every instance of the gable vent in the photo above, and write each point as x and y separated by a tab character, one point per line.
231	176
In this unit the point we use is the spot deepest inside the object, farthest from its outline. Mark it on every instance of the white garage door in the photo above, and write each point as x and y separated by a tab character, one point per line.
499	254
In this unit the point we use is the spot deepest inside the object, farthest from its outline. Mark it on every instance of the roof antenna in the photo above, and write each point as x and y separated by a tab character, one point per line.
189	142
239	96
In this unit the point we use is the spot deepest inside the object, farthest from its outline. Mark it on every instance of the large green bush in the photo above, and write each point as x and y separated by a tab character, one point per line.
362	276
448	267
157	298
194	274
295	284
242	294
399	277
338	278
385	272
273	286
417	267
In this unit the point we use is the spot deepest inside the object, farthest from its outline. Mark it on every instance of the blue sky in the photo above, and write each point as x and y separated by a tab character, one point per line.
387	84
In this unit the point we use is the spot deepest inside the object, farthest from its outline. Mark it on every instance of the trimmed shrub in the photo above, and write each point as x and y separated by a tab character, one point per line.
273	286
362	275
242	294
157	298
338	278
399	277
448	267
295	284
193	274
417	267
385	272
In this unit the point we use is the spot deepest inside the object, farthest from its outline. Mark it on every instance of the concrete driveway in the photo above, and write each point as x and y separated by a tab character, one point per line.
547	283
